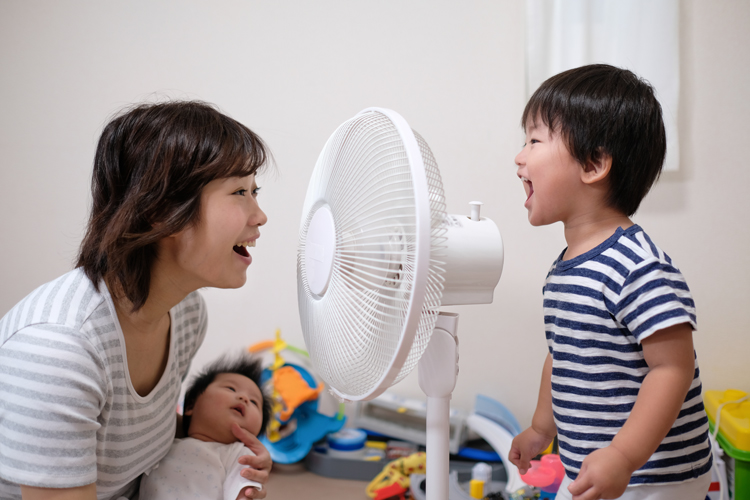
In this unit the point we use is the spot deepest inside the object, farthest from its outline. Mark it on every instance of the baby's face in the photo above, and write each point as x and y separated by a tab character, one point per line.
230	398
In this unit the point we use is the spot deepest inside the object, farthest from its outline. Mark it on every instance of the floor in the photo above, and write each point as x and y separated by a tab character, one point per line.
292	482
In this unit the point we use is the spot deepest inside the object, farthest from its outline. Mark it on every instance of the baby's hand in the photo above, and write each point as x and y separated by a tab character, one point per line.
605	473
241	495
526	446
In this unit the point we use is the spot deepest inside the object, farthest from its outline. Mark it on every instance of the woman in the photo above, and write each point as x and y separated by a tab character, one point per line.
92	362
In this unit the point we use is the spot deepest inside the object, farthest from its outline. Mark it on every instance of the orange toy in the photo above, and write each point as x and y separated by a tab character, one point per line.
293	390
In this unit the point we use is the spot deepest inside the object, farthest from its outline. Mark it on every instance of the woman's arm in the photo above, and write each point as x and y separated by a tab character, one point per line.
87	492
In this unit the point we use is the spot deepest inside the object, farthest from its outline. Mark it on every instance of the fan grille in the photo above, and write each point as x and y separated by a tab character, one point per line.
353	332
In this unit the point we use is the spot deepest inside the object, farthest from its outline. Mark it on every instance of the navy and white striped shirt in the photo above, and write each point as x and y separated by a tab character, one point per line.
598	307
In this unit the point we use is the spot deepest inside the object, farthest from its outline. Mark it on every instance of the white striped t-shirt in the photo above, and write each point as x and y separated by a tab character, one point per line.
598	307
69	415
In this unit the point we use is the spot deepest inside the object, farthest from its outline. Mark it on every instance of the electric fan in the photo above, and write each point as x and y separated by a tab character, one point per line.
378	256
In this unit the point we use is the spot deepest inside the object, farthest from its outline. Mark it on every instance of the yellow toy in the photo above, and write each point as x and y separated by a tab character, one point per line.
398	471
289	387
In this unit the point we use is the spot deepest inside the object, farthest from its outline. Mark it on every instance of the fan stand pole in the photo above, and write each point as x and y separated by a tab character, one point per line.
438	369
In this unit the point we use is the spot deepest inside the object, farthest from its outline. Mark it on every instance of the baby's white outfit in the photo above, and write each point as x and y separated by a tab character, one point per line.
198	469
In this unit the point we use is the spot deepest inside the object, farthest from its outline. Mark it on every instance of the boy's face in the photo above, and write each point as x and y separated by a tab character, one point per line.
550	175
230	398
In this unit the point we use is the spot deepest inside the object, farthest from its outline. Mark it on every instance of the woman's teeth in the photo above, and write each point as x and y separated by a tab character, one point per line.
241	248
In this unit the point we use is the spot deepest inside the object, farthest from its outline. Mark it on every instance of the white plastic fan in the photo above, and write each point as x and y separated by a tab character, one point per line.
378	256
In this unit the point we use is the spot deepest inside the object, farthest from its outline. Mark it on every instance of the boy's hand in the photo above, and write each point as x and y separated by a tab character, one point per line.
605	473
259	466
526	446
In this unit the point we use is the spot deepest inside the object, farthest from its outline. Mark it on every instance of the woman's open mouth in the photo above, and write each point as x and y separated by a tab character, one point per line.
241	248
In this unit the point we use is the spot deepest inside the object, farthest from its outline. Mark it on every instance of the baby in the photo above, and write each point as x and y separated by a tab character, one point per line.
205	464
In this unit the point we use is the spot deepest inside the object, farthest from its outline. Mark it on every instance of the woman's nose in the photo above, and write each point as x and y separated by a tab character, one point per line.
257	218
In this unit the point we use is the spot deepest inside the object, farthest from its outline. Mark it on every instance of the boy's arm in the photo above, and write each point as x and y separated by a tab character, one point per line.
669	354
536	438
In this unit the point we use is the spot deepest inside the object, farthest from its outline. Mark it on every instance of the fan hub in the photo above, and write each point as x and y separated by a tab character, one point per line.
319	249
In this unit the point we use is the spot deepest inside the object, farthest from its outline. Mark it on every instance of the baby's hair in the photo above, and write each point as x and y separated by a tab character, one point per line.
151	164
244	365
600	109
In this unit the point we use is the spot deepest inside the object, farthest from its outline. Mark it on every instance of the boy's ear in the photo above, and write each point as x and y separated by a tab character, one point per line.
187	411
596	169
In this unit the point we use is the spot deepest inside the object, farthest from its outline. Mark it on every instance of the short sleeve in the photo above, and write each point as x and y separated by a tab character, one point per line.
653	297
52	392
234	482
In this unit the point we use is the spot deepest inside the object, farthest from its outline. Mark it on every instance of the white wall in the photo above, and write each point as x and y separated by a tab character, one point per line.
293	71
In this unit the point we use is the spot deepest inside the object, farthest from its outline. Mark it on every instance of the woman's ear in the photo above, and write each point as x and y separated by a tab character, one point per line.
596	169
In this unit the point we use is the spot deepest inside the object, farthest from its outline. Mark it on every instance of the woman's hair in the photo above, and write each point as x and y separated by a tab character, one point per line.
244	365
152	162
603	109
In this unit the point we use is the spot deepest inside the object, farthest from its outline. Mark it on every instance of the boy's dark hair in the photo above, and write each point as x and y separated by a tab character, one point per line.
151	164
603	109
244	365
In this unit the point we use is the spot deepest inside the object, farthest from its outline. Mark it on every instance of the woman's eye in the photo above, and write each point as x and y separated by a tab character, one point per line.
241	192
256	191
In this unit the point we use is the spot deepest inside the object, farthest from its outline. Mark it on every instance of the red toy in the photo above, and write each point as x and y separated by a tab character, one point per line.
546	474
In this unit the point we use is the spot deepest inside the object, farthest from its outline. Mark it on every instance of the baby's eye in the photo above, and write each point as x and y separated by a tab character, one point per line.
533	141
231	388
255	403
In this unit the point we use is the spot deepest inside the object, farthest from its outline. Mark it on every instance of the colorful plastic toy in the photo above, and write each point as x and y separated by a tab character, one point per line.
296	424
397	472
546	474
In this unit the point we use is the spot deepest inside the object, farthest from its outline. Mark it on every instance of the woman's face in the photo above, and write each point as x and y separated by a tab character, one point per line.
214	251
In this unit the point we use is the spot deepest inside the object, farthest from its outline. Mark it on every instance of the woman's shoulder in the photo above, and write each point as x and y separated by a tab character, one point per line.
65	303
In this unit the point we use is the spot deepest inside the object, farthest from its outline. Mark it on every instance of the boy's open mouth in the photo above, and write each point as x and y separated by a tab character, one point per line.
530	189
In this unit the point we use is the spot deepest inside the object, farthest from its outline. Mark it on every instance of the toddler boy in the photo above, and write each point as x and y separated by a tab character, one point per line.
620	385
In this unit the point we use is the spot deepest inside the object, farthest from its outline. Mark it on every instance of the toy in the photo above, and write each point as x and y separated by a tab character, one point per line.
546	474
295	424
397	472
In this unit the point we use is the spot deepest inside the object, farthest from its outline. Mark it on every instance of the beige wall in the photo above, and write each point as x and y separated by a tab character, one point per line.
293	71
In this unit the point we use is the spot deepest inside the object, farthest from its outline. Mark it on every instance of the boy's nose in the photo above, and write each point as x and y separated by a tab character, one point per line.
520	159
